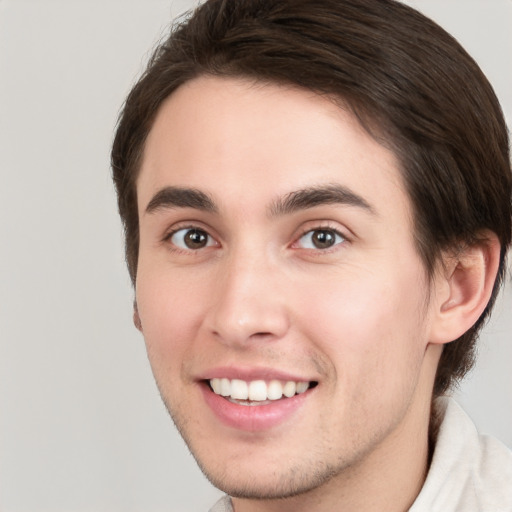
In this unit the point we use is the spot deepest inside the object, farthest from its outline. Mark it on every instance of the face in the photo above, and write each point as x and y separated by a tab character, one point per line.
283	304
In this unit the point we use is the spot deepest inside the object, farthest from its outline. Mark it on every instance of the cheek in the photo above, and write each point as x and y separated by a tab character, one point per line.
169	309
369	326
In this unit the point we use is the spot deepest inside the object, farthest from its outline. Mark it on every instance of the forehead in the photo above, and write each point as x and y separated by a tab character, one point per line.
248	143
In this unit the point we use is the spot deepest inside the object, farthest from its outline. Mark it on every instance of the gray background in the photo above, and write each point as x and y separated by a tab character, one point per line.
82	427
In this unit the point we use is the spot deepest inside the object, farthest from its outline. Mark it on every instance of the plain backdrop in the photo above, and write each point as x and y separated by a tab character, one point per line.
82	427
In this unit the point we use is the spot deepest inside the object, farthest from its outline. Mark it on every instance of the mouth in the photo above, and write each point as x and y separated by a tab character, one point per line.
257	392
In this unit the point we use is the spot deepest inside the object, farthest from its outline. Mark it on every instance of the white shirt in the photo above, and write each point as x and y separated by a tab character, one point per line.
469	472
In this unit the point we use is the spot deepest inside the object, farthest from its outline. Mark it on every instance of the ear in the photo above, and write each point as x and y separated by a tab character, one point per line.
463	288
136	317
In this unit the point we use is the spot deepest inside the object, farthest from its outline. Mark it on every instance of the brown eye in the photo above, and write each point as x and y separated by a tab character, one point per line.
191	239
320	239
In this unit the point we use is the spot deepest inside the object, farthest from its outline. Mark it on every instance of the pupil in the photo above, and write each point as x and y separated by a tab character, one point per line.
195	239
323	239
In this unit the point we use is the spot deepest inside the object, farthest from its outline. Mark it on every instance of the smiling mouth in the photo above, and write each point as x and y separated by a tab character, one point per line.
257	392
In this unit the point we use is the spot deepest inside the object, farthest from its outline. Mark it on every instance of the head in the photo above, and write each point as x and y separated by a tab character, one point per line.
409	83
397	79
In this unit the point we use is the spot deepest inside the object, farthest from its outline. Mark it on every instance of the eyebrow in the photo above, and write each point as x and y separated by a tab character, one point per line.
310	197
178	197
302	199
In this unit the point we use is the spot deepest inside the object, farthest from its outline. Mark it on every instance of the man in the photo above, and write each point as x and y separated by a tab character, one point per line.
317	204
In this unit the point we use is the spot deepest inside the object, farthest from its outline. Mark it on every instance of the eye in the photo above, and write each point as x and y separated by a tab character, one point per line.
320	239
191	239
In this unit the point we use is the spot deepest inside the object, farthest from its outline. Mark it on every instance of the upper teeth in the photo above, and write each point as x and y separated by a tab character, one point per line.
258	390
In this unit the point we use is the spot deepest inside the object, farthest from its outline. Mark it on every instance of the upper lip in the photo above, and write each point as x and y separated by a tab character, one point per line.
249	374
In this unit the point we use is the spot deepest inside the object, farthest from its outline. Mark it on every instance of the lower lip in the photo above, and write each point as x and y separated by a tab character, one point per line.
252	418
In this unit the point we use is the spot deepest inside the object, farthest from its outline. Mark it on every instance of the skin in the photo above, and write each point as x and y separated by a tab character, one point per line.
360	317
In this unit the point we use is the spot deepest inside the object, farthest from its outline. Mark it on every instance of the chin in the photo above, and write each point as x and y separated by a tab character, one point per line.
246	478
265	484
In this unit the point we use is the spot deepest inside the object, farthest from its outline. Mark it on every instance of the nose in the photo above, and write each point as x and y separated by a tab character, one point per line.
249	303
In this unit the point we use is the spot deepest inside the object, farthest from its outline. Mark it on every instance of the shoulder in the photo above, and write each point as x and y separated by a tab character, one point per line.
469	471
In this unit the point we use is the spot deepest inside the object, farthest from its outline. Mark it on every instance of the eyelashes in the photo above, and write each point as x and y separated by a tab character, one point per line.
193	239
320	239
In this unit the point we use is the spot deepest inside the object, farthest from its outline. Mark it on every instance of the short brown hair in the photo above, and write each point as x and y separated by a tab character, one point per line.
412	86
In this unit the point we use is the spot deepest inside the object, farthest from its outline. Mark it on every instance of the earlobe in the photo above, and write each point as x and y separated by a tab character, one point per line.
136	317
465	288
